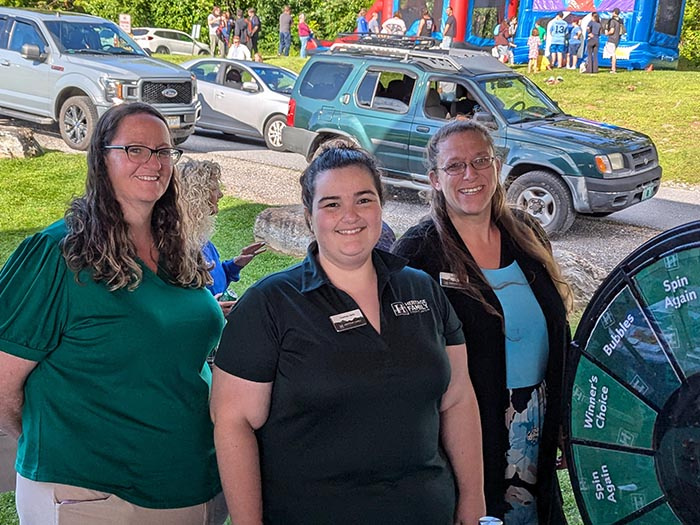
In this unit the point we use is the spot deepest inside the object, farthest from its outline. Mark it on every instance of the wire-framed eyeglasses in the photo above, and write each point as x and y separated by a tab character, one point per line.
142	154
459	168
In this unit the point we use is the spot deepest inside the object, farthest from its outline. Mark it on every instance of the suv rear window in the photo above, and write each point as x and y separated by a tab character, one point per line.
324	80
139	32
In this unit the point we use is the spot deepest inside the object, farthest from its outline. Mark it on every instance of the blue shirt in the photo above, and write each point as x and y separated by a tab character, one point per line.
527	342
557	31
362	26
223	272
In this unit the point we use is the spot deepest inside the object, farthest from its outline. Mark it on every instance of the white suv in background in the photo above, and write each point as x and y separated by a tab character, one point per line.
167	41
67	68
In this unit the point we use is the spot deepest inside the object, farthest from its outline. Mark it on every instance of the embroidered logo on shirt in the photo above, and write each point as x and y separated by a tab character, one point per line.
348	320
416	306
450	280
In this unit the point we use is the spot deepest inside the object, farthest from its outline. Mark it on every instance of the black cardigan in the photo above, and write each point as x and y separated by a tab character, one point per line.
487	364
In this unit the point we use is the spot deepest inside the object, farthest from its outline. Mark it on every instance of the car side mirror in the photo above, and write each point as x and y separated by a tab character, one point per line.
252	87
485	118
32	52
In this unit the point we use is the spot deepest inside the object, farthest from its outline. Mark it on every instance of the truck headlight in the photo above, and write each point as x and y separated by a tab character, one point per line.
117	90
607	164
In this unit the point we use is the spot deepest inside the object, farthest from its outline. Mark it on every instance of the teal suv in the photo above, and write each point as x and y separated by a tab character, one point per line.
390	100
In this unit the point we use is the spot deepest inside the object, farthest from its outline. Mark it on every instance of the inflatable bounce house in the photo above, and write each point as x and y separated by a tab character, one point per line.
653	27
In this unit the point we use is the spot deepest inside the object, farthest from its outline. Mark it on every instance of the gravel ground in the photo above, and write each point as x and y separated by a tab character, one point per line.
603	242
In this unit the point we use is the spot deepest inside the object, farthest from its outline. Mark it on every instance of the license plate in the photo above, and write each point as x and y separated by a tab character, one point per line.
648	192
173	122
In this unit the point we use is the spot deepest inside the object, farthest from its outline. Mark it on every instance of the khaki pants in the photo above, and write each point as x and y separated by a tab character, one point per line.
40	503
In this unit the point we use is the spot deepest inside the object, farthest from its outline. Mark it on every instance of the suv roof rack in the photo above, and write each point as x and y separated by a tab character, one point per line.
419	49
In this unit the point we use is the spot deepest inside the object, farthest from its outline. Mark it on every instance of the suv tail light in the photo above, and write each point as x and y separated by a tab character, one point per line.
291	111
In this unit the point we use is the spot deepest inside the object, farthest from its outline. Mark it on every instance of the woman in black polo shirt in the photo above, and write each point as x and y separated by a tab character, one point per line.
341	393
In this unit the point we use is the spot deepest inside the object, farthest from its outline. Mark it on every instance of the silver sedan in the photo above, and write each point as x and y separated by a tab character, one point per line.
243	98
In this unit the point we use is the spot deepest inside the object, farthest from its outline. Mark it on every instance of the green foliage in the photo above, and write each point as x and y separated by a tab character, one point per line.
690	34
8	516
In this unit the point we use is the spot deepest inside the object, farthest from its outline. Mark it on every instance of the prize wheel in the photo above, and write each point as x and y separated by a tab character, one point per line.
633	389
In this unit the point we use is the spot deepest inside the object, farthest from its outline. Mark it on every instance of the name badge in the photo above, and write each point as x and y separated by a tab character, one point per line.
348	320
450	280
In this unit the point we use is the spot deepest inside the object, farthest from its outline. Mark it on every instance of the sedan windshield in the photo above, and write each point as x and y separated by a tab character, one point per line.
94	37
519	100
279	80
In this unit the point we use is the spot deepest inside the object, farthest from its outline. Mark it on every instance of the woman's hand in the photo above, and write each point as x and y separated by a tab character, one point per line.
248	253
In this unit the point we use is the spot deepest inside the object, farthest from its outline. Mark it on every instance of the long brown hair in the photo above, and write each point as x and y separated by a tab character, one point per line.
526	235
98	237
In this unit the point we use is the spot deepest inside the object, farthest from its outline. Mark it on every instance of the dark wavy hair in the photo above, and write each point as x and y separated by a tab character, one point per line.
526	234
337	154
98	237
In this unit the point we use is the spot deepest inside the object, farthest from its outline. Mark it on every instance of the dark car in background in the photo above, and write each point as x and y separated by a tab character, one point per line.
390	100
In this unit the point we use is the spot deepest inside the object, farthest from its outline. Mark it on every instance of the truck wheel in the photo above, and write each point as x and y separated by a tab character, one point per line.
162	50
546	197
273	132
76	121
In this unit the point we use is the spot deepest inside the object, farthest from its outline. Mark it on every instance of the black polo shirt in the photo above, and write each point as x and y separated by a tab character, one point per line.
353	431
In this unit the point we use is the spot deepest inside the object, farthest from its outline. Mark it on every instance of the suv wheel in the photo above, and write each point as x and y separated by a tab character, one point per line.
76	122
162	50
546	197
273	132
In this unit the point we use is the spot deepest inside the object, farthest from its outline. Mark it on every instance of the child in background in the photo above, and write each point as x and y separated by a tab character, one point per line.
533	46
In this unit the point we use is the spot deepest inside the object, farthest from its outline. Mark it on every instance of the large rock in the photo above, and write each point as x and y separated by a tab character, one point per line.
284	230
583	276
18	143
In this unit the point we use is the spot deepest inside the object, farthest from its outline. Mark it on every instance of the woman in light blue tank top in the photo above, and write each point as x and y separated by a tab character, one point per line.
498	271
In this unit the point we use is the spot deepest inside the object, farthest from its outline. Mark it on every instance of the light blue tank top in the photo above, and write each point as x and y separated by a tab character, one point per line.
527	343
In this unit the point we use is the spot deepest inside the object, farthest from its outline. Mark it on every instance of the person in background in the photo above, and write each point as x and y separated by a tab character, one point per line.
593	43
106	326
556	39
575	38
449	31
253	30
304	34
257	58
200	185
240	29
373	25
213	21
224	31
502	41
341	388
394	25
614	31
497	269
426	26
237	51
362	26
285	31
533	51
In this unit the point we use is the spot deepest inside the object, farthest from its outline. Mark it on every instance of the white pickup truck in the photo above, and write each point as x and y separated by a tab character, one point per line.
68	68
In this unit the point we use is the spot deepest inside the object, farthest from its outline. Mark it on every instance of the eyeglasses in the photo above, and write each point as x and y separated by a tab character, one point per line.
142	154
459	168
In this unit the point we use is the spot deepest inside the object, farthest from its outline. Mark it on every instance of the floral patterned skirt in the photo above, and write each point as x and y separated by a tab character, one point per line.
524	420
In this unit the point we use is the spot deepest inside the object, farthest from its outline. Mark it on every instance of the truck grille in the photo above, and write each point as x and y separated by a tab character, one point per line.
644	159
152	92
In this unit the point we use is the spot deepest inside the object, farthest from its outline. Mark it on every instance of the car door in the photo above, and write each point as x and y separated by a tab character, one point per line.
380	117
236	110
441	99
24	84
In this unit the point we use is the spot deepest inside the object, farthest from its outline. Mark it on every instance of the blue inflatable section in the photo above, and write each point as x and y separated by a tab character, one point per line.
652	28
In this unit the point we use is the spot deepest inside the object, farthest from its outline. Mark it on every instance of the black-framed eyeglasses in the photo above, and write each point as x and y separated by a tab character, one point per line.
459	168
142	154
